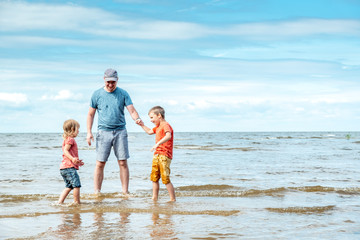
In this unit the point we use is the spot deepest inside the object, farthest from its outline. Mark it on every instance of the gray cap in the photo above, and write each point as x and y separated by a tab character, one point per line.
110	75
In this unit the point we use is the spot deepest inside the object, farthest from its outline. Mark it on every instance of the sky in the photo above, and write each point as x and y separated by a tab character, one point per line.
214	65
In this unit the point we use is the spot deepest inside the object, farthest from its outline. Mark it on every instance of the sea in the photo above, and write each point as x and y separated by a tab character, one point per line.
229	185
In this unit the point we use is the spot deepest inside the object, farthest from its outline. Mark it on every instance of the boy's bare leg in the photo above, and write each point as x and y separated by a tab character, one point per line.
98	176
64	194
171	191
156	188
124	175
76	194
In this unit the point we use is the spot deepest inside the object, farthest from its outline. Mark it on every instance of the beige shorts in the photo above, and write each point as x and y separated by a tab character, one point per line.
160	169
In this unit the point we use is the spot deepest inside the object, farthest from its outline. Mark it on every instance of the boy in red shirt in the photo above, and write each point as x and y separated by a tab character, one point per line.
163	151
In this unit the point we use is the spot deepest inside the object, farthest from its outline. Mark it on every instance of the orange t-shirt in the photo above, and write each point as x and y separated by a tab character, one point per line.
165	148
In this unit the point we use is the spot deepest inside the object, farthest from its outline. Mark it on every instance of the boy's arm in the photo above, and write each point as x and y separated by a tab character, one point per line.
147	130
166	138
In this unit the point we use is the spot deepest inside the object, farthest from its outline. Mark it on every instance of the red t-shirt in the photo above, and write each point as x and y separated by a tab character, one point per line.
67	163
165	148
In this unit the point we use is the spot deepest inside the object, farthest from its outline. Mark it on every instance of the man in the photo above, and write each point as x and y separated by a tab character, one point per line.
110	102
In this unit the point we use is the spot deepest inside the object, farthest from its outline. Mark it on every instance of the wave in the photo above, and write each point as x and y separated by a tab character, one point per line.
280	137
206	187
58	147
214	148
232	191
116	202
229	192
11	145
303	210
87	148
47	147
16	180
321	189
6	198
222	191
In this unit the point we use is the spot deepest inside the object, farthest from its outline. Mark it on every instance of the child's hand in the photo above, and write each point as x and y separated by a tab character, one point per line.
81	163
154	147
139	122
76	161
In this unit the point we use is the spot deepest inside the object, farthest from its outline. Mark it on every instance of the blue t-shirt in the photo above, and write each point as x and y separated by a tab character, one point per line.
110	107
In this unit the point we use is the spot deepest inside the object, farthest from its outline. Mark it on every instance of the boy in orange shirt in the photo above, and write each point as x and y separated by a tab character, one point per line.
163	151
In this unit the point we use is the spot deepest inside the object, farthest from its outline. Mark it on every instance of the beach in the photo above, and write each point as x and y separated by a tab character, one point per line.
230	185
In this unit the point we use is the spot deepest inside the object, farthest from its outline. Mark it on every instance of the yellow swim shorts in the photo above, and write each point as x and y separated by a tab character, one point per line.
160	168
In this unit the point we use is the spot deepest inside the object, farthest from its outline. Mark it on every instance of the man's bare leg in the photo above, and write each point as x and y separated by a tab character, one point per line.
98	176
124	175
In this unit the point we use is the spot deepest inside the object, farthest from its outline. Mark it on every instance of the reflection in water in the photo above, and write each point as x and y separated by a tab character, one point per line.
123	225
163	227
98	224
70	226
111	228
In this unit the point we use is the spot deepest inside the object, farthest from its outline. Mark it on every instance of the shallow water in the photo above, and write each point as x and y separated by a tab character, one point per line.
228	186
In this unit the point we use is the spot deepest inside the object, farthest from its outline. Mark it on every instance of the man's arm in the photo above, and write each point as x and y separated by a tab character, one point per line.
89	123
134	114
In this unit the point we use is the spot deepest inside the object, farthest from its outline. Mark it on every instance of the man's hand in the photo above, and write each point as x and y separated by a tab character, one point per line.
89	138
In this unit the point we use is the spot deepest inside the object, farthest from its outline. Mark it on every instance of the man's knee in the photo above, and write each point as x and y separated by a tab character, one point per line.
122	163
100	165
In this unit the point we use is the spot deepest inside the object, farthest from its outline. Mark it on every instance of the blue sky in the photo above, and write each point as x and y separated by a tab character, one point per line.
235	65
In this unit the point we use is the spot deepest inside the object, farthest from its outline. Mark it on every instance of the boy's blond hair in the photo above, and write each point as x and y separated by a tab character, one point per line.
158	110
70	126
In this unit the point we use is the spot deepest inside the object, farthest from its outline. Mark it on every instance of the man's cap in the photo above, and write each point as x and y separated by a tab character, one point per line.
110	75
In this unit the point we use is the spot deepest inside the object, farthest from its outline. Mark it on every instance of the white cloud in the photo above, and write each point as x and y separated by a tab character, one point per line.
9	74
229	97
295	28
62	95
23	40
17	16
16	98
201	104
22	16
172	102
345	51
164	30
